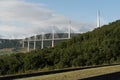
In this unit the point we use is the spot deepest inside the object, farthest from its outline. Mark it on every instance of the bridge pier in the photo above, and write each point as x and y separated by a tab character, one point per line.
23	44
35	42
53	35
28	48
42	44
43	39
69	30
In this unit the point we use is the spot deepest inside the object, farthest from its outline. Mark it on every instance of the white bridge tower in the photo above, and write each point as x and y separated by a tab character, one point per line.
98	19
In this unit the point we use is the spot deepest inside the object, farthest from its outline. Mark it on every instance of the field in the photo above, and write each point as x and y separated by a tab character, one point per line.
75	75
8	51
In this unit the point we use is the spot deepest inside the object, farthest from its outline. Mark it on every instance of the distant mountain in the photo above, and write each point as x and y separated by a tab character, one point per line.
7	43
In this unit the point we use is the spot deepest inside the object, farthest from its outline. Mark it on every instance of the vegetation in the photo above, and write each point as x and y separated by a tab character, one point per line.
79	74
101	46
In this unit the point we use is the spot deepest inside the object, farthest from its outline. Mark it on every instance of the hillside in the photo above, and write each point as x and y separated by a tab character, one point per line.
100	46
7	43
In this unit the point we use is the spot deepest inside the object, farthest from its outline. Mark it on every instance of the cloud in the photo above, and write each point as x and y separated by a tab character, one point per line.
21	18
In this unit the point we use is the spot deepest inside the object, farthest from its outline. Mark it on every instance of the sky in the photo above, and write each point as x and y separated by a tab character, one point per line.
23	18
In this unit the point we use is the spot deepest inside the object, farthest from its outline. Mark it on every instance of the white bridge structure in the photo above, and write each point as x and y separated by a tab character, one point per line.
52	39
42	39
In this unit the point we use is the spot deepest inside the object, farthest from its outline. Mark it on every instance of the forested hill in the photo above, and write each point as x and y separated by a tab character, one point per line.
105	38
100	46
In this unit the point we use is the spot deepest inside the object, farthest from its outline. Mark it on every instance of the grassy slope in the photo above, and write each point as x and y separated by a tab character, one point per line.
74	75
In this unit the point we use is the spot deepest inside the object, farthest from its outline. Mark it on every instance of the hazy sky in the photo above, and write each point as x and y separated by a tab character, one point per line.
21	18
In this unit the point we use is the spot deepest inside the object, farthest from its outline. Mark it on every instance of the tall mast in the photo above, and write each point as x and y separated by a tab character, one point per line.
98	19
